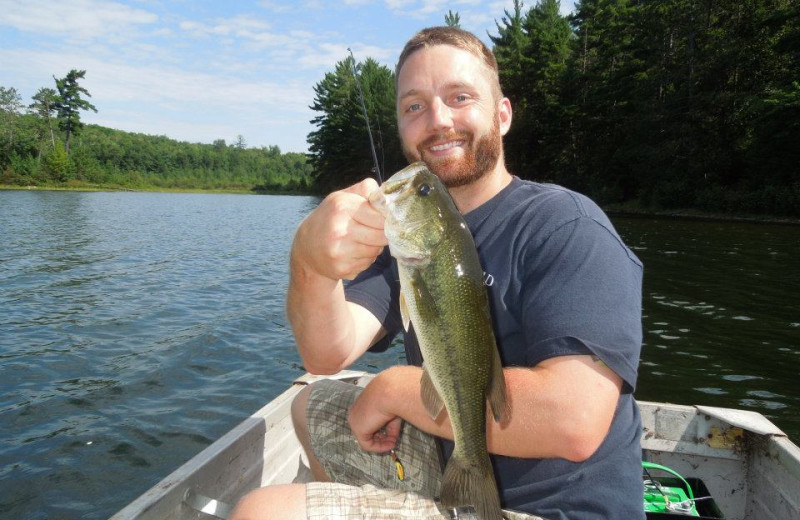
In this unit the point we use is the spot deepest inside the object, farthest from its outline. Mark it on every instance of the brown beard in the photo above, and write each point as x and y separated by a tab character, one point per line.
478	160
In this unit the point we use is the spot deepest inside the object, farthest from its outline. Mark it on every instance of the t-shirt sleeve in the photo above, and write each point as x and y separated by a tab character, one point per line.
377	290
582	295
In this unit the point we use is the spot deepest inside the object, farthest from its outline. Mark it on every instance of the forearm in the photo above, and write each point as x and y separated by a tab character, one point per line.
319	317
335	242
547	418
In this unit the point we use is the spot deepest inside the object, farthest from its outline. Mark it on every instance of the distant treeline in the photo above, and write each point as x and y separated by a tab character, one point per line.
45	144
113	158
657	105
102	156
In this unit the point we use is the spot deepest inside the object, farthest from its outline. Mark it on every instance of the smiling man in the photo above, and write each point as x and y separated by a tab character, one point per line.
565	295
452	115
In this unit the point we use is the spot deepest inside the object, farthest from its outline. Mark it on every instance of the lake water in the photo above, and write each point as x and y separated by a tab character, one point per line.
136	328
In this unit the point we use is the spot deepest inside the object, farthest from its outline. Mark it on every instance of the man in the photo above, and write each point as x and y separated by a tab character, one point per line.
565	295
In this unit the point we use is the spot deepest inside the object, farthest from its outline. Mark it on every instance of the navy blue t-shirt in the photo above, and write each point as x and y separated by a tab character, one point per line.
560	282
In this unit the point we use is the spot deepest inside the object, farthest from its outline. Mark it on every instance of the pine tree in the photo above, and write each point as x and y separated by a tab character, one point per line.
44	105
10	111
511	48
549	37
532	50
70	102
452	19
339	147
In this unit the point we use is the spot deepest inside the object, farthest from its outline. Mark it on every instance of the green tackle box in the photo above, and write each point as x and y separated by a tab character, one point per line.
676	498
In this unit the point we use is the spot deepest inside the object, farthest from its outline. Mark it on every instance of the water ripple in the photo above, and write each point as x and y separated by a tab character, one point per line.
141	327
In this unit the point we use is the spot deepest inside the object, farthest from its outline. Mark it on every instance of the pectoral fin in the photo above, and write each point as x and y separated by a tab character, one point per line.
426	303
404	312
430	397
497	391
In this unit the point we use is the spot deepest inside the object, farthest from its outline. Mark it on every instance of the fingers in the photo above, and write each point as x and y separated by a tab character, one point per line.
381	441
375	429
365	212
366	234
344	235
393	428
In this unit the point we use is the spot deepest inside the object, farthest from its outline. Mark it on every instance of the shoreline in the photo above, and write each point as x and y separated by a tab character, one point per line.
618	210
149	189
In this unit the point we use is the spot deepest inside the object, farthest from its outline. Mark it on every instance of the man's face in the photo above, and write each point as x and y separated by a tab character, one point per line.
447	114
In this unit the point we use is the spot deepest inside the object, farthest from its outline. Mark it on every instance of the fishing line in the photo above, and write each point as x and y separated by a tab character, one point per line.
376	169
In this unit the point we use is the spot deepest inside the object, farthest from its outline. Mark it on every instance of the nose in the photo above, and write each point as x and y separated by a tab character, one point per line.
441	116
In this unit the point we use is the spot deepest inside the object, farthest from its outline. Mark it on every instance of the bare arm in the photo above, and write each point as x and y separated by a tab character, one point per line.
338	240
562	408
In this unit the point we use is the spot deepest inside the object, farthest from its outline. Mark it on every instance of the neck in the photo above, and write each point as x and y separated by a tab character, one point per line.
470	196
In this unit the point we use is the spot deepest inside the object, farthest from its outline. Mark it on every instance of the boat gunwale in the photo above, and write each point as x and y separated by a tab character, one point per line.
170	493
166	499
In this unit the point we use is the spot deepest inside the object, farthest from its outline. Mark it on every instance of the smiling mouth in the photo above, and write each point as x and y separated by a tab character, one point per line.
446	146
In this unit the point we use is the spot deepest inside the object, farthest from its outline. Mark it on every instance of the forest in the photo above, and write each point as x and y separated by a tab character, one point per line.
642	105
47	145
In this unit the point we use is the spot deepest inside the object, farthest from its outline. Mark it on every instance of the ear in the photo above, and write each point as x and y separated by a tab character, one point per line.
504	114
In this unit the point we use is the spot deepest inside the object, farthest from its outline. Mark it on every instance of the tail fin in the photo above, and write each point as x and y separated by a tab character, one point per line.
471	483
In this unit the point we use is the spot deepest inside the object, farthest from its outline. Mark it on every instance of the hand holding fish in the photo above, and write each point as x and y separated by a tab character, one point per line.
343	236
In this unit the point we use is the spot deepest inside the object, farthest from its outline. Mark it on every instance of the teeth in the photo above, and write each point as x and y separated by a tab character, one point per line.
446	146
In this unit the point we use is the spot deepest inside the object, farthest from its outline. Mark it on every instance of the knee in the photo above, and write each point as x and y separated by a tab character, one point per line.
250	506
299	405
283	502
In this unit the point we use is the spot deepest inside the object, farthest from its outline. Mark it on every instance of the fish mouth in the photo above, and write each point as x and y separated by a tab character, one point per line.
396	182
393	189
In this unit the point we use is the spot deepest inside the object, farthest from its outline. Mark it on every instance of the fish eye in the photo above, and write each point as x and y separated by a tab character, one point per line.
424	189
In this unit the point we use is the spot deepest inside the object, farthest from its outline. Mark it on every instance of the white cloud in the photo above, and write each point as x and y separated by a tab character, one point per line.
165	94
242	26
79	19
243	29
326	55
399	5
425	8
277	7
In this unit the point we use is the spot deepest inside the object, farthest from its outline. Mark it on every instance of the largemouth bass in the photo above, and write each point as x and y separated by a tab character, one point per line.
444	297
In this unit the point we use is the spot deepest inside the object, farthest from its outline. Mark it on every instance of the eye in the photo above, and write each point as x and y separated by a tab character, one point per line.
424	190
414	107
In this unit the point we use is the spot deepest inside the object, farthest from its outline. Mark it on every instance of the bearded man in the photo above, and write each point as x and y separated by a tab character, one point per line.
565	296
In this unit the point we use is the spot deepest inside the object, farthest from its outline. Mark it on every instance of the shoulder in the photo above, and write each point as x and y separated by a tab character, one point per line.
539	210
553	203
554	226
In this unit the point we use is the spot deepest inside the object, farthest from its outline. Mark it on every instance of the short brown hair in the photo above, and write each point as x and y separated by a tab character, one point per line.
455	37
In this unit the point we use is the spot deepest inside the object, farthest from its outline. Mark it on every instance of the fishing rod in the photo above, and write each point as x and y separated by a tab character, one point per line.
375	168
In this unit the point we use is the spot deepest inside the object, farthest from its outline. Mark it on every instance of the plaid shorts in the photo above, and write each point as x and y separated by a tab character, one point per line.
366	485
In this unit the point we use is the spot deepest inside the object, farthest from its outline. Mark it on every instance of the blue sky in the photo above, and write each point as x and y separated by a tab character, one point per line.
200	70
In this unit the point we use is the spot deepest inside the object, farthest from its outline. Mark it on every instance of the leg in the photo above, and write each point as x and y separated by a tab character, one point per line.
283	502
327	405
299	418
372	490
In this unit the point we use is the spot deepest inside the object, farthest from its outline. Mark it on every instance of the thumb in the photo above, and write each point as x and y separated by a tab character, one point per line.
393	428
363	188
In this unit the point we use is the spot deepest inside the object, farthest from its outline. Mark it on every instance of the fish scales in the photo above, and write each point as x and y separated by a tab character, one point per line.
458	328
444	298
